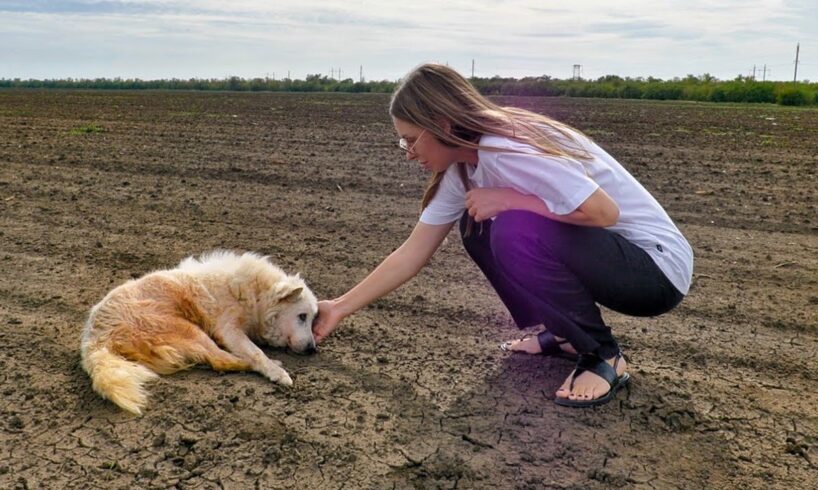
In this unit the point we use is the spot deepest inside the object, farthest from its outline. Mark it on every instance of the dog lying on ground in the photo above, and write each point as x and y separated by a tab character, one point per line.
208	310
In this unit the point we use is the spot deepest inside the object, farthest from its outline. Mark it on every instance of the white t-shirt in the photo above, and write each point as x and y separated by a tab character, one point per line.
563	184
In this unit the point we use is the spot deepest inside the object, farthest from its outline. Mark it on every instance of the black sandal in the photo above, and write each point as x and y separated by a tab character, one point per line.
549	346
598	366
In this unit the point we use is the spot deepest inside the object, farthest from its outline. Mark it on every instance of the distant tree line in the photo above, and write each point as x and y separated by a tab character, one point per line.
704	88
313	83
700	88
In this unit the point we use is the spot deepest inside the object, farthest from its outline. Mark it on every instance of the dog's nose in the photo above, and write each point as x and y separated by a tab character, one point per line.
310	349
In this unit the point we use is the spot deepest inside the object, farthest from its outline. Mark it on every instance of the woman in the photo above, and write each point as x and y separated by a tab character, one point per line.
554	222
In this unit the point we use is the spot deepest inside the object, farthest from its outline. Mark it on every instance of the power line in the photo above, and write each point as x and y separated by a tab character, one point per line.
763	71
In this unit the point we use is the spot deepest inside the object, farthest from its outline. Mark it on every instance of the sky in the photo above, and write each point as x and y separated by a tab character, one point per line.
382	40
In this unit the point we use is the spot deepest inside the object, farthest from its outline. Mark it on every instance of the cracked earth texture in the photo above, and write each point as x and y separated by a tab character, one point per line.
411	392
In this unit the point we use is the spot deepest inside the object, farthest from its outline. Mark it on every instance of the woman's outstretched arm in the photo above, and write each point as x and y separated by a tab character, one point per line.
400	266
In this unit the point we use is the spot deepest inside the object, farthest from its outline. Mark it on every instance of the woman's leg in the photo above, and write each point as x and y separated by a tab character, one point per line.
566	270
561	272
516	300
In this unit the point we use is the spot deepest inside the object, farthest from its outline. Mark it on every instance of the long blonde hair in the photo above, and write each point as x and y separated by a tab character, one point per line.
432	93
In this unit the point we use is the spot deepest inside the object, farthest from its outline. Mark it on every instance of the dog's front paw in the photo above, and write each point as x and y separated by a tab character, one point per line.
278	375
285	380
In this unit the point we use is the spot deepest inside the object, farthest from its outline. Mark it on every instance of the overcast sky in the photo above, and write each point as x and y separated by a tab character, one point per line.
152	39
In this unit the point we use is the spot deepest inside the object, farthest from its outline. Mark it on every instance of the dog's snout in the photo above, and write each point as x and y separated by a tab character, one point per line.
303	348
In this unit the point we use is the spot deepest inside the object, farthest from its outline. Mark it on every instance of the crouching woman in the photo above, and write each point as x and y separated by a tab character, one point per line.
556	224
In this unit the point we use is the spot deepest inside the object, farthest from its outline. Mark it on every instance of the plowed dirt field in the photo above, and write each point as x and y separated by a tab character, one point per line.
411	392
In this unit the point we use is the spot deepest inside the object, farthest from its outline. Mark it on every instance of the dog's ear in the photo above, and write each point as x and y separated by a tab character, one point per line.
288	292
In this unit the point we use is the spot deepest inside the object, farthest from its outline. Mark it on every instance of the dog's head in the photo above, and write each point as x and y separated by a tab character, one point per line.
290	308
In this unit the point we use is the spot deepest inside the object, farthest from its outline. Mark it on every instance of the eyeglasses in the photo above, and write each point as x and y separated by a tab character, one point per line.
404	145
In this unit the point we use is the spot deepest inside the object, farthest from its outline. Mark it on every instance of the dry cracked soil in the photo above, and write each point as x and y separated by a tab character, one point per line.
412	392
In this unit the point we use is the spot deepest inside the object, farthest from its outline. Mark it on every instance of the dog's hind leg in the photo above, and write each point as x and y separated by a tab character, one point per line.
219	359
195	346
201	349
171	344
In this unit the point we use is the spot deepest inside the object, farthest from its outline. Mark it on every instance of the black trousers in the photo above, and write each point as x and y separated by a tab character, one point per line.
556	274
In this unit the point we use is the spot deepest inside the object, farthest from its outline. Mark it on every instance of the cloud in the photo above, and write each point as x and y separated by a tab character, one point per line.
86	7
633	29
185	38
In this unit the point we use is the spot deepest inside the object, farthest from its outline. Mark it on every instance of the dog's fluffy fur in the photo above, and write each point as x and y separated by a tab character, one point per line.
169	320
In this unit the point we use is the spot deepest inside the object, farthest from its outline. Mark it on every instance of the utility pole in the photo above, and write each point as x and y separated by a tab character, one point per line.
472	67
361	75
797	49
339	73
764	77
754	72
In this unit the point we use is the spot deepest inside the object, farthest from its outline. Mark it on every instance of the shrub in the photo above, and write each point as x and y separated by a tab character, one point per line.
761	92
700	92
794	95
662	91
630	91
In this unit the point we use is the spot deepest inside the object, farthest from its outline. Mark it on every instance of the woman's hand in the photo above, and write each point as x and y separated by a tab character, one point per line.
401	265
488	202
329	315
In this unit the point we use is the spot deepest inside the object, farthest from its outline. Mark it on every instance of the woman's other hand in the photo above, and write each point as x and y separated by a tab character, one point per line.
486	203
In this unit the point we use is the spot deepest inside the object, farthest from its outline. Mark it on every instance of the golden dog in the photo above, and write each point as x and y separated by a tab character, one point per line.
169	320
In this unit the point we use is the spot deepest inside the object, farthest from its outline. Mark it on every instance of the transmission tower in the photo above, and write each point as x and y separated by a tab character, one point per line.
577	72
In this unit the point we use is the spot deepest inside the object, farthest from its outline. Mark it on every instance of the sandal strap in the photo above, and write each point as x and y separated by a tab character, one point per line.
597	365
549	345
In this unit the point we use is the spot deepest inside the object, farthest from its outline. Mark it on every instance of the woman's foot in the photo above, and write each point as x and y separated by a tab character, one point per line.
531	345
589	386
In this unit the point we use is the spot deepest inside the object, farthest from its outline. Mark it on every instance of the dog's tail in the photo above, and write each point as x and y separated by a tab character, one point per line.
117	378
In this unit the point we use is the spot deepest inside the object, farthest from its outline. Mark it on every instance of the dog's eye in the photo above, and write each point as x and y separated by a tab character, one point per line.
302	317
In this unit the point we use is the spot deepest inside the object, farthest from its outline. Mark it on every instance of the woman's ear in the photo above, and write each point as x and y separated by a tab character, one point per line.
445	126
